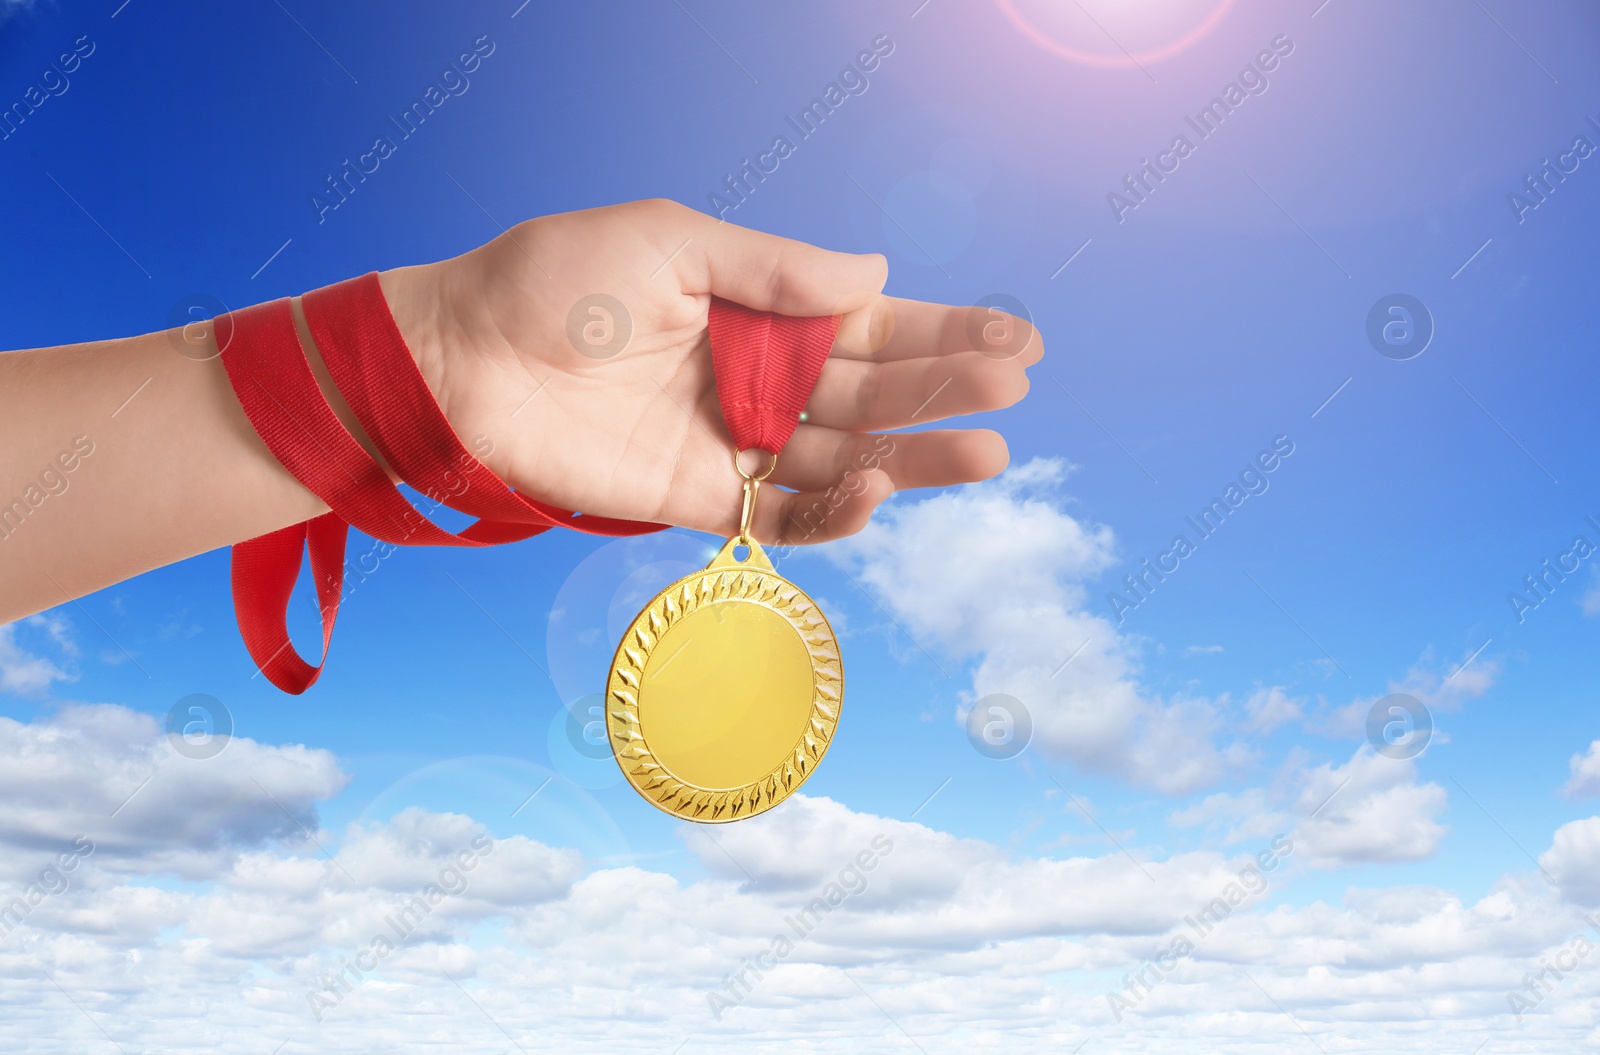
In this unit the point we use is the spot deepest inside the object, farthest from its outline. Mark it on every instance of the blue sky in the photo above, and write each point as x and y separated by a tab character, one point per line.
1227	309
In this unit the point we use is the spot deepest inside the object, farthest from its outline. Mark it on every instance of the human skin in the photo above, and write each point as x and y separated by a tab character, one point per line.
178	470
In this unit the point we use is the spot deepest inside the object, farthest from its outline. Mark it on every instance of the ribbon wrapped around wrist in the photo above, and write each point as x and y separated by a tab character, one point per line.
766	366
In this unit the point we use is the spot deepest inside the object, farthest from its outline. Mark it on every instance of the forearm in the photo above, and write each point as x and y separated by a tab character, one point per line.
166	465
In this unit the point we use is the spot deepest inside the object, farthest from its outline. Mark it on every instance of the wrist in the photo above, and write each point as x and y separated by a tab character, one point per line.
413	296
434	320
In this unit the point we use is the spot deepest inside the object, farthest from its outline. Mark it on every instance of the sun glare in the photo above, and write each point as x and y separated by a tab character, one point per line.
1115	35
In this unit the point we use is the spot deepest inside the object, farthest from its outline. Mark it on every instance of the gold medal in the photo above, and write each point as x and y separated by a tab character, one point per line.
725	691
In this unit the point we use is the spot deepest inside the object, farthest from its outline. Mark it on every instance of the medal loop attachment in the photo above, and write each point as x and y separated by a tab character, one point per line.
752	487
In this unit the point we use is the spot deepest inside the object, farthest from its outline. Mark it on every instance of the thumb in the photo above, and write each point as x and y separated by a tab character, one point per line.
769	273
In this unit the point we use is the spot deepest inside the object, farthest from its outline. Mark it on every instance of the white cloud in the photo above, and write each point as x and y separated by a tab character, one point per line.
410	849
1371	809
55	626
1573	860
344	901
110	773
1585	780
1439	687
1239	817
1269	708
1000	571
930	889
942	935
949	936
25	673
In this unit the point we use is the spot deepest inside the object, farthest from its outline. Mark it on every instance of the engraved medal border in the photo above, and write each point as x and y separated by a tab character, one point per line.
726	580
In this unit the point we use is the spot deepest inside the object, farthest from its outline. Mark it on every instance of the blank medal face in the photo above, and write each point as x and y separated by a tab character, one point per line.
725	691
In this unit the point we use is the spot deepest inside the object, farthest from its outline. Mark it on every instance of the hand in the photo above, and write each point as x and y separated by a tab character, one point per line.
639	434
177	468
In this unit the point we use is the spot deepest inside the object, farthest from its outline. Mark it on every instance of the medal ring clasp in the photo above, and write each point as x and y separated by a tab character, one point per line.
752	487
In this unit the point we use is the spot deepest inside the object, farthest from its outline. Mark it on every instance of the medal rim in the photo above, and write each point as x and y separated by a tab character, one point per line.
688	801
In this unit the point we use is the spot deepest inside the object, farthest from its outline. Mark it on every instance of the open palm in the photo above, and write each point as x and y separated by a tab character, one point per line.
617	414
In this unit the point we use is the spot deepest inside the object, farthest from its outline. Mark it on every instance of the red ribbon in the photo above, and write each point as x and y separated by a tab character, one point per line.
766	366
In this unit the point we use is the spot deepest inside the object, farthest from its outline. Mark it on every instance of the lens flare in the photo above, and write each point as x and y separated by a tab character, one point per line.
1131	35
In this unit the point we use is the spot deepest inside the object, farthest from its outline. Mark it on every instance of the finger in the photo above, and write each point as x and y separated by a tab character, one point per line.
860	396
769	273
818	458
893	328
805	517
